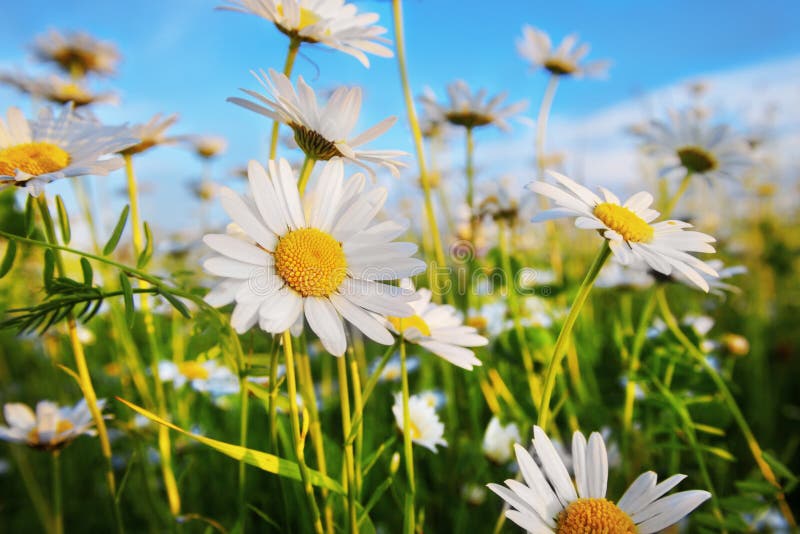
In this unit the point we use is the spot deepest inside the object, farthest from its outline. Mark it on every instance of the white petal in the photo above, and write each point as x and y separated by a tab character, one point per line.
326	323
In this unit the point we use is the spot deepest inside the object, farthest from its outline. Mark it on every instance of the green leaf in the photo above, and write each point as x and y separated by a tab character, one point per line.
720	452
8	258
176	303
709	429
30	216
777	466
127	292
63	220
88	273
147	253
262	460
117	233
49	267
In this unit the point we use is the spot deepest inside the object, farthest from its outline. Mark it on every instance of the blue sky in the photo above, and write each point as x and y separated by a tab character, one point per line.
182	56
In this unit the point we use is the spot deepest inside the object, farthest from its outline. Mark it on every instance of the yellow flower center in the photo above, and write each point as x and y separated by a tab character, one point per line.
307	17
478	322
33	158
62	426
401	324
697	159
560	66
598	516
415	431
311	262
71	92
468	118
193	370
626	223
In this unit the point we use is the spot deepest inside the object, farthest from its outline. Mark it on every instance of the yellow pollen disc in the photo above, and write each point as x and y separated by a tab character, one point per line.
307	17
401	324
598	516
311	262
193	370
415	432
697	159
478	322
630	226
62	426
33	158
559	66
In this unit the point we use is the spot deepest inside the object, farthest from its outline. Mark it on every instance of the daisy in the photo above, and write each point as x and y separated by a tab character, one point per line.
77	53
565	60
321	133
664	246
437	328
206	377
322	256
51	427
34	153
501	200
151	133
426	428
330	22
470	110
58	90
690	144
392	370
206	146
499	440
550	502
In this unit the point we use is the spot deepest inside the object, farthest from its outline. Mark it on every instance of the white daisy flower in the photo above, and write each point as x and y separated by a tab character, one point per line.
437	328
58	90
500	199
51	428
77	53
322	256
152	133
322	133
426	428
206	377
34	153
499	440
564	60
690	144
664	246
330	22
549	501
470	110
636	275
392	370
206	146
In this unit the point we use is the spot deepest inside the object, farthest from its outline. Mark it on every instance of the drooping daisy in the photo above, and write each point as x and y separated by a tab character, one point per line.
499	440
206	146
690	144
426	428
664	246
152	133
34	153
549	501
206	377
565	60
322	133
51	427
330	22
437	328
470	110
58	90
77	53
322	256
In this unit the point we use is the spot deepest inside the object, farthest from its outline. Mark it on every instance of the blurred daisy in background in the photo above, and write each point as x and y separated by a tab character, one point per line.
499	440
34	153
689	144
425	427
58	90
77	53
664	246
206	377
331	22
437	328
564	60
152	133
206	146
470	110
549	501
51	427
392	371
322	256
322	133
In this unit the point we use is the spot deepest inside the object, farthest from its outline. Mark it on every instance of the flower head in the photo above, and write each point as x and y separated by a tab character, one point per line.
330	22
51	428
34	153
58	90
690	144
664	246
437	328
322	256
499	440
207	146
549	501
470	110
206	377
322	133
77	53
564	60
151	133
425	427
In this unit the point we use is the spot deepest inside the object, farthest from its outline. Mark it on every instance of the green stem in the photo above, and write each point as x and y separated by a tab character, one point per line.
416	132
473	220
349	458
244	396
358	406
730	402
633	365
678	194
273	396
408	451
58	515
305	173
291	54
564	336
